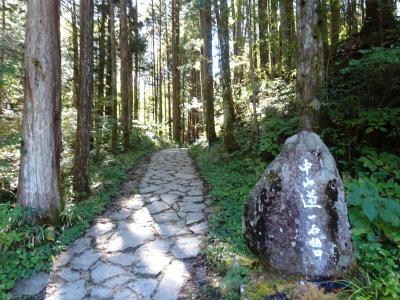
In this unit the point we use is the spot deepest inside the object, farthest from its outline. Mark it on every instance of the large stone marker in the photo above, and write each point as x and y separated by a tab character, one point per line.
295	218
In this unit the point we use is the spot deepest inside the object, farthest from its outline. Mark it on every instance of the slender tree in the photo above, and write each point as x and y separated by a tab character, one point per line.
254	87
176	81
3	34
287	32
41	126
82	142
75	47
113	58
263	31
136	52
309	50
221	14
160	74
124	73
207	70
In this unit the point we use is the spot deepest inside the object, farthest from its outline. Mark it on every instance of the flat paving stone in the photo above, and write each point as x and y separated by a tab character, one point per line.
145	287
85	260
104	271
192	218
186	247
73	290
139	250
172	281
31	286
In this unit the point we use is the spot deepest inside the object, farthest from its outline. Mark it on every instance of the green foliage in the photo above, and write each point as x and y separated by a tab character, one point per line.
274	129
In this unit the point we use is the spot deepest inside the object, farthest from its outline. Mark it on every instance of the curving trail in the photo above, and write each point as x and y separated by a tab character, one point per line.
144	248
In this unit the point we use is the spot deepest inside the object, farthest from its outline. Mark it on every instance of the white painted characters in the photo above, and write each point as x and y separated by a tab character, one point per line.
311	202
306	166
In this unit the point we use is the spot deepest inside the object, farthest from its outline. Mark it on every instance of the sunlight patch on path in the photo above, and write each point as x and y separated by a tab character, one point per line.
145	248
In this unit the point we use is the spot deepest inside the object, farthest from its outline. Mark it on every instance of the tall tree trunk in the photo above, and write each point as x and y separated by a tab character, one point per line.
124	74
308	59
3	34
254	87
222	13
136	86
207	67
263	18
75	46
335	24
154	71
287	29
130	62
102	60
238	43
176	81
160	75
275	43
82	142
113	58
108	100
41	126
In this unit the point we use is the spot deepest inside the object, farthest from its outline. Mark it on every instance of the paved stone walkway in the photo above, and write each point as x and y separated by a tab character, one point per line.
145	248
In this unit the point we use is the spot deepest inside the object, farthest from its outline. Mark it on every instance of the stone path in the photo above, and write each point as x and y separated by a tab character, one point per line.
145	248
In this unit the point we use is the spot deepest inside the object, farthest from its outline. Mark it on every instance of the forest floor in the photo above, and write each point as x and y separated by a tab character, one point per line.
143	247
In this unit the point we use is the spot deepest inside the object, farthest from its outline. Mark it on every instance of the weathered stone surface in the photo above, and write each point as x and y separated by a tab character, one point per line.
172	281
79	246
100	228
101	293
166	217
123	259
144	287
186	247
85	260
31	286
295	218
200	228
73	290
68	275
192	218
143	247
157	206
129	236
104	271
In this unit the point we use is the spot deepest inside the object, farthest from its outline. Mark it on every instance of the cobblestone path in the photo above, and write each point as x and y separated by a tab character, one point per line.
143	249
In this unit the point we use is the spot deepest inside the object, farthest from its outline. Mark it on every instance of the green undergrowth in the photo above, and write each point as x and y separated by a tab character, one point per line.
27	249
358	121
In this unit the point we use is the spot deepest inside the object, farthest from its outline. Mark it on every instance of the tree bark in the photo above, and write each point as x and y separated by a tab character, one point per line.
102	61
113	57
82	142
176	81
287	30
160	74
136	86
254	87
131	45
75	46
41	125
263	32
207	67
124	74
3	34
308	58
221	14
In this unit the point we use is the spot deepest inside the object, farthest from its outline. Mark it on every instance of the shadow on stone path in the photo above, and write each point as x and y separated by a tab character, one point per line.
145	248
